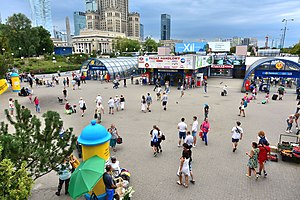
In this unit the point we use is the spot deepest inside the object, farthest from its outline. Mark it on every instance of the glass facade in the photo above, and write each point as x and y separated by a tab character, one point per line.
41	14
79	22
165	27
115	67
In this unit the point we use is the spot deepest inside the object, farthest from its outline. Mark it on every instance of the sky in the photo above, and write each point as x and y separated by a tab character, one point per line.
192	20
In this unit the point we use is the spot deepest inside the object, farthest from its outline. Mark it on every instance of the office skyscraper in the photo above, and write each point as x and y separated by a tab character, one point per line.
133	25
79	22
141	32
41	14
165	27
91	6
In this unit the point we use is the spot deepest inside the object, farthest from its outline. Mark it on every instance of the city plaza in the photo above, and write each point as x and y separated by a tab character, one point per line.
219	173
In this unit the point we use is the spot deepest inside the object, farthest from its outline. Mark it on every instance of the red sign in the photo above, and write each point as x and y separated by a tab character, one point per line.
222	66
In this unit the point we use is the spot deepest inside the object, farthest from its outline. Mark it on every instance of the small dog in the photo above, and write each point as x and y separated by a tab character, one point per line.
60	100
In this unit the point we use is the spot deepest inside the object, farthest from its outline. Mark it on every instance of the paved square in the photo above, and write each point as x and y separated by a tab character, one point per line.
219	173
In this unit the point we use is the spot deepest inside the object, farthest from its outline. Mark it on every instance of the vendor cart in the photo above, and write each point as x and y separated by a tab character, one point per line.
288	146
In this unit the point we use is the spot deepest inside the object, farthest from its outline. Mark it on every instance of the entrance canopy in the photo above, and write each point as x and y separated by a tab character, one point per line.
122	67
273	67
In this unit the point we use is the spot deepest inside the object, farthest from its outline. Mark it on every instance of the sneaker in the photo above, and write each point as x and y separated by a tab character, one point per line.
248	176
57	193
257	176
194	146
154	154
178	145
287	131
161	151
192	181
234	149
265	174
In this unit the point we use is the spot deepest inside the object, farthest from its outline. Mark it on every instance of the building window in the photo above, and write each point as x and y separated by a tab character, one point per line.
90	25
89	17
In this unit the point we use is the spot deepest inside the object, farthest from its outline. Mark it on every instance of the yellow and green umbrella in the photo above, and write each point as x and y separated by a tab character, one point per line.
86	176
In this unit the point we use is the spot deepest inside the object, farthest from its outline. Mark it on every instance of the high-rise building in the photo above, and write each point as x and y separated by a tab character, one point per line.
141	32
113	15
133	25
91	6
165	26
246	41
68	30
41	14
79	22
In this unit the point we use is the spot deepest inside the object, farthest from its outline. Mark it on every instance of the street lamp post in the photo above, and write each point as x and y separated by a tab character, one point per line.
284	30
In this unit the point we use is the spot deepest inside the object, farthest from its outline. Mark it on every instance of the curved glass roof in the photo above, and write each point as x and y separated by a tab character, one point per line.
122	66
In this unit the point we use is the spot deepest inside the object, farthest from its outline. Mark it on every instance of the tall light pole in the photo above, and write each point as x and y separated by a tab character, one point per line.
284	30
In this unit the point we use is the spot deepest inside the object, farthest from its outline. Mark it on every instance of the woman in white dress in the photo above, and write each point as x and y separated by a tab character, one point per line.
143	104
184	170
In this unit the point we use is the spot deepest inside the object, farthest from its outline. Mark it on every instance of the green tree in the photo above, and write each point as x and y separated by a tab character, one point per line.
6	62
14	183
41	149
126	45
150	45
45	44
296	49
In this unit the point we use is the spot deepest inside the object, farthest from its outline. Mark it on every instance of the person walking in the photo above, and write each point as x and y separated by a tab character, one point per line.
99	111
298	107
82	106
182	128
205	127
64	174
181	91
117	102
111	106
154	134
125	85
264	150
73	83
195	130
164	101
114	136
148	101
68	82
206	110
237	134
289	122
11	106
109	183
143	104
243	105
98	99
131	79
158	93
122	102
252	162
64	82
205	86
65	92
184	170
187	149
37	104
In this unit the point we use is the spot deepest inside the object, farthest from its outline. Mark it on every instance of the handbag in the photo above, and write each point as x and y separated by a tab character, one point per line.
163	137
119	140
95	116
201	134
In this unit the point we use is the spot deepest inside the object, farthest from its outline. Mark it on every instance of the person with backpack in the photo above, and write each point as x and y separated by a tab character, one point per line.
264	150
237	134
242	107
154	133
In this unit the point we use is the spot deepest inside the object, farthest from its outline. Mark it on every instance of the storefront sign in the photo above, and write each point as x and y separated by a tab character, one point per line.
167	70
203	61
222	66
166	62
278	73
97	67
3	85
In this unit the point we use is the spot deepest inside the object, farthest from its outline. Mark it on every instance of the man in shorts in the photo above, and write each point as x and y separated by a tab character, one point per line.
182	127
195	130
237	134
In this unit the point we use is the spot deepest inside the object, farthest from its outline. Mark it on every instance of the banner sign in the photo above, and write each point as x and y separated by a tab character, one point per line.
203	61
166	62
219	46
190	47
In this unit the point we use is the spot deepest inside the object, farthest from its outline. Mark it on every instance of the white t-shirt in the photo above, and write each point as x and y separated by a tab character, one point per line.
182	127
111	103
116	167
189	140
98	99
165	98
195	126
236	134
81	103
99	108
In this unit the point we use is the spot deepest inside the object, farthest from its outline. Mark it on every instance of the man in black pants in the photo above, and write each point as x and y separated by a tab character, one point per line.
64	173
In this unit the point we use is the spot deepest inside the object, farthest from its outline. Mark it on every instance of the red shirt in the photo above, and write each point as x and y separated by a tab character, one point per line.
263	153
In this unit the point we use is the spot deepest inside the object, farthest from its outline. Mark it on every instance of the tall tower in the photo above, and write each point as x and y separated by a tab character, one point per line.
165	28
69	39
134	25
79	22
41	14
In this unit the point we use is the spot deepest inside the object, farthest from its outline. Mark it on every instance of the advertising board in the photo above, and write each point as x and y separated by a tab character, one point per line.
219	46
190	47
166	62
203	61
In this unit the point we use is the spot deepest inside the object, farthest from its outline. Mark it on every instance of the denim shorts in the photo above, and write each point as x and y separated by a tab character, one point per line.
182	135
194	133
